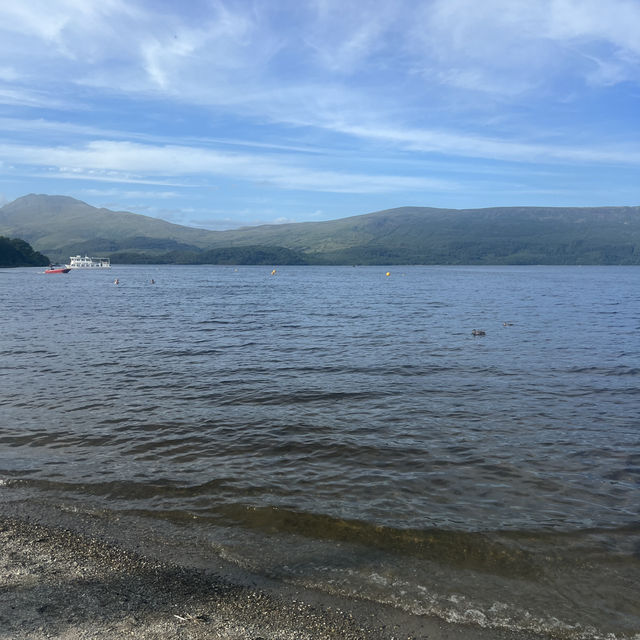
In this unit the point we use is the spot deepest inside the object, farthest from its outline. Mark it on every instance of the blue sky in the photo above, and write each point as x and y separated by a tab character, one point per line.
221	114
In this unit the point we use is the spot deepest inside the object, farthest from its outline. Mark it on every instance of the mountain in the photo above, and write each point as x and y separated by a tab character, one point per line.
62	226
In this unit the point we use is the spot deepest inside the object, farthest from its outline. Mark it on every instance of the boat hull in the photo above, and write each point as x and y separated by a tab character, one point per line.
61	270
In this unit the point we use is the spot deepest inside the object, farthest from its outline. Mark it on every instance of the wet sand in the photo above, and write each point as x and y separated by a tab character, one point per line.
59	583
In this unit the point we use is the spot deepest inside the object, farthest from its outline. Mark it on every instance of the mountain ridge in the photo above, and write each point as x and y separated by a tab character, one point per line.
61	226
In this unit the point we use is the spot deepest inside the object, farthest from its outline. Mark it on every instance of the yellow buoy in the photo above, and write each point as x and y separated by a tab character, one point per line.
273	273
388	273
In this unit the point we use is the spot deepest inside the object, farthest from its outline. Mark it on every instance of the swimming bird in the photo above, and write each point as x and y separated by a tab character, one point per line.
478	332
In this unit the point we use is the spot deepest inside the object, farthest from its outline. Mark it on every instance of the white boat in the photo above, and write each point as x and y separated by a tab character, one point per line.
78	262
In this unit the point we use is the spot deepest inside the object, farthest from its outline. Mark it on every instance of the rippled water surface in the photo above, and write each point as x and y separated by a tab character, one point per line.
343	429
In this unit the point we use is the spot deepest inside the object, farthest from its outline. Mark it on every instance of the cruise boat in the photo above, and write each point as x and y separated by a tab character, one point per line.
78	262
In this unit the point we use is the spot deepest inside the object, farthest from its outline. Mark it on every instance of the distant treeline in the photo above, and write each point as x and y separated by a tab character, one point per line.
496	252
15	252
461	252
228	255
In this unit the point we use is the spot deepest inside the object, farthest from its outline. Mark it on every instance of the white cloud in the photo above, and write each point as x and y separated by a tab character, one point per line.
70	30
127	45
38	19
604	34
513	46
616	22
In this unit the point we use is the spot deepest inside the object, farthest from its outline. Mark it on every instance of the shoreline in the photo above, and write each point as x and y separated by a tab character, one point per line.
59	582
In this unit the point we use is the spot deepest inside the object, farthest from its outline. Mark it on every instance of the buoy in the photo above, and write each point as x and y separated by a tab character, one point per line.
388	273
273	273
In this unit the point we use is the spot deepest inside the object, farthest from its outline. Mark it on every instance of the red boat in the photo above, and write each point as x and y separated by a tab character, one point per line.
57	270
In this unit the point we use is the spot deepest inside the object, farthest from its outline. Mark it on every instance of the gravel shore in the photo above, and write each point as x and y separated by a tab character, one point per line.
58	583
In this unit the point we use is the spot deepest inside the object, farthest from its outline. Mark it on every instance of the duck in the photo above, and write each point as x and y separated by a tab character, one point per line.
478	332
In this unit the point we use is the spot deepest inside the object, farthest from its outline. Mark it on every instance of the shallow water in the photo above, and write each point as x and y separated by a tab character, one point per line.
344	430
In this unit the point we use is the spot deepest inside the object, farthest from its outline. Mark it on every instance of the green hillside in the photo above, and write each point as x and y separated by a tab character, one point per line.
15	252
420	235
62	226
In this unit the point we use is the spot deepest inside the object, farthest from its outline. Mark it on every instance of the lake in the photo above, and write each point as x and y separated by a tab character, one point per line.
343	430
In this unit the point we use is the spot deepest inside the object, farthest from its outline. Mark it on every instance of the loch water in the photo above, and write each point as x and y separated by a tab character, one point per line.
341	429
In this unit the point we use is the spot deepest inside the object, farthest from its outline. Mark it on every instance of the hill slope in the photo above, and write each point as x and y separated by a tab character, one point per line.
62	226
421	235
15	252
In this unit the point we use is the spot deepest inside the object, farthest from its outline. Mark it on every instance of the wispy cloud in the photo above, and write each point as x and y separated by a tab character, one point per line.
129	162
473	146
343	38
19	96
59	129
131	194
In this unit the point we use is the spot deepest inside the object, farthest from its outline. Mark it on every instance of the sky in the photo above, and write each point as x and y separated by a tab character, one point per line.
220	114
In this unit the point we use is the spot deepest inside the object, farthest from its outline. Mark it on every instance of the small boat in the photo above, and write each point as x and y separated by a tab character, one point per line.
56	269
